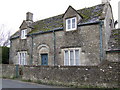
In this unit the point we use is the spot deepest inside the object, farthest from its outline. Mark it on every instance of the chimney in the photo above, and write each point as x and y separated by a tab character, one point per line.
29	16
105	1
119	14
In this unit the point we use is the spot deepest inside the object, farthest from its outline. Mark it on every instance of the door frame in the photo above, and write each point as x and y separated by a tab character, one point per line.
42	60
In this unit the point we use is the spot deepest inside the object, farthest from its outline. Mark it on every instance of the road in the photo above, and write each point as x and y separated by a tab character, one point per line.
6	83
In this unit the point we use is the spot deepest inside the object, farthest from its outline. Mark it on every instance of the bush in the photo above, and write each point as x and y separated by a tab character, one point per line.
4	55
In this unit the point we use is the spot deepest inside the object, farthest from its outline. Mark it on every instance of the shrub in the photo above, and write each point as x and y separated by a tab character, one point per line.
4	55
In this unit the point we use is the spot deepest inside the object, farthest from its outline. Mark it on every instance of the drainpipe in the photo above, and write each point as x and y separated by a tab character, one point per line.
31	59
101	41
54	39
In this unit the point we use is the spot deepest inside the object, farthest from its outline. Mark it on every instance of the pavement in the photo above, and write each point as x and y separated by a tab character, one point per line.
8	83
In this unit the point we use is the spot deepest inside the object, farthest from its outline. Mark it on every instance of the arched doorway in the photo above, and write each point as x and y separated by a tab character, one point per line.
43	51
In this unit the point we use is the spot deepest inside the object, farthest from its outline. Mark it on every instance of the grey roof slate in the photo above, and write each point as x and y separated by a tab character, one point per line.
90	14
114	42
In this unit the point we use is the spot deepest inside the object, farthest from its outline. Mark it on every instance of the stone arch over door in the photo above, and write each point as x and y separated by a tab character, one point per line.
43	53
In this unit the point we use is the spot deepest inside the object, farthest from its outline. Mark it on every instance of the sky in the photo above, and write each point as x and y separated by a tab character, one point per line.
13	12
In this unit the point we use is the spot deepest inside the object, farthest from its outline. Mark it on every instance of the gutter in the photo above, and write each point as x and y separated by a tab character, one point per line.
89	23
43	32
14	37
114	50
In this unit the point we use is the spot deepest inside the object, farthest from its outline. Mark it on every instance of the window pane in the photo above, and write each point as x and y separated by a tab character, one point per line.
77	57
66	58
71	57
73	23
24	33
21	34
18	58
25	58
22	58
69	24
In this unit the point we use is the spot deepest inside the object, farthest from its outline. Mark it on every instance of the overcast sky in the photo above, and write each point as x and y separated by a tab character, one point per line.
13	12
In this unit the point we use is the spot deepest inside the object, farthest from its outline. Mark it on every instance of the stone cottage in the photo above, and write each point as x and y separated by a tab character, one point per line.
75	38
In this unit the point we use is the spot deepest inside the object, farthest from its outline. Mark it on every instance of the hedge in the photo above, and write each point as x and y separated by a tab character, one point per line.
4	55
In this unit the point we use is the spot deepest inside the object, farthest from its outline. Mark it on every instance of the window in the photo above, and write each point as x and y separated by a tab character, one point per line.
23	34
22	58
71	24
72	57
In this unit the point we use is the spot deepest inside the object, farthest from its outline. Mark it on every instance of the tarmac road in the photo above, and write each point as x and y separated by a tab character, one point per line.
7	83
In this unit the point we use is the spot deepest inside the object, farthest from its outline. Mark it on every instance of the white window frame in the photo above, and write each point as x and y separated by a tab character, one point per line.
72	49
23	34
22	58
71	24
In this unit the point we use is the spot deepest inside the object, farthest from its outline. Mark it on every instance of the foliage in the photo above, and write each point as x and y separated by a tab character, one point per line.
4	55
4	36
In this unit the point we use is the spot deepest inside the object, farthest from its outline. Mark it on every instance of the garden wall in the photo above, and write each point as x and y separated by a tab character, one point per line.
104	75
8	71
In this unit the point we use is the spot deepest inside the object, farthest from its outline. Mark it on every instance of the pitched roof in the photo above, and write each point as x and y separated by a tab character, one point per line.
114	42
90	14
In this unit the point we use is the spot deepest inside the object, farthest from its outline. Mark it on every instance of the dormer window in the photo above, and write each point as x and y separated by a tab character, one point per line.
71	24
23	34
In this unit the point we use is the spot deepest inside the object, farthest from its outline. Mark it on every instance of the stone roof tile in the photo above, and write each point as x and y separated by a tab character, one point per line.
114	42
90	14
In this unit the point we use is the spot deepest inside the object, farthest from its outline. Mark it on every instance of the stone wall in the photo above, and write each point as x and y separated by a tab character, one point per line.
113	56
14	44
87	38
104	75
8	71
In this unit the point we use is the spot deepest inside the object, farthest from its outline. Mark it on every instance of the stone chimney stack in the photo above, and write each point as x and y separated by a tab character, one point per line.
105	1
29	16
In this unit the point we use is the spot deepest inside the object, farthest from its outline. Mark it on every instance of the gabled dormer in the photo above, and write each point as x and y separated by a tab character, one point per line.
25	26
71	19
